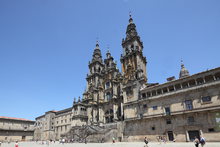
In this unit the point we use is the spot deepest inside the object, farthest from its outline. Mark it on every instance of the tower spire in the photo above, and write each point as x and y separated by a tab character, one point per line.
130	18
183	71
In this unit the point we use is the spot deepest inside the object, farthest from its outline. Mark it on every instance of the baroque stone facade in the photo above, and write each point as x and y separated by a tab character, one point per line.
12	129
179	109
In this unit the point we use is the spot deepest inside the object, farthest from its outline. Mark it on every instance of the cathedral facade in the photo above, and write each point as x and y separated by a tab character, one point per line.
179	109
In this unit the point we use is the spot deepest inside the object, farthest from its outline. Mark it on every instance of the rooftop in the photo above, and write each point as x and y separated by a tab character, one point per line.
13	118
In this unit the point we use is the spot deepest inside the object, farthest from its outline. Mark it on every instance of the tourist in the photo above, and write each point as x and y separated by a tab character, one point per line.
16	144
146	141
63	141
164	139
196	141
113	140
158	139
202	141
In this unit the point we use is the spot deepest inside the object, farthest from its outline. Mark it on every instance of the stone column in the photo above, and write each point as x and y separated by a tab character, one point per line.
122	109
174	87
203	79
196	82
214	77
115	107
187	136
188	84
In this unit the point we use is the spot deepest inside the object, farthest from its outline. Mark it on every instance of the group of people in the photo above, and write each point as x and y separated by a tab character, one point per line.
163	139
198	141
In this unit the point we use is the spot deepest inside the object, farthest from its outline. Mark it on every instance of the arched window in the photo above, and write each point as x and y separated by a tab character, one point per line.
132	47
108	96
107	85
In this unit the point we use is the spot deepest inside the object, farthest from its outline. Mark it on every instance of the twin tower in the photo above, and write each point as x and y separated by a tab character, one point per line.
107	88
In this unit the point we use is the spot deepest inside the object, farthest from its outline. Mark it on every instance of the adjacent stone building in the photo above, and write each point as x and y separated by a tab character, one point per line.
179	109
12	129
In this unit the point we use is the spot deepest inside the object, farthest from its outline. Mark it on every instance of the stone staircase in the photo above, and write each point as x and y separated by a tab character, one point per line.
93	133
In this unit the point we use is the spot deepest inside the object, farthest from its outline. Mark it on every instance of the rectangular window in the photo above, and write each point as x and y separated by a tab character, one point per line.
168	121
108	96
211	130
167	110
154	107
143	95
206	99
190	120
129	91
189	105
107	85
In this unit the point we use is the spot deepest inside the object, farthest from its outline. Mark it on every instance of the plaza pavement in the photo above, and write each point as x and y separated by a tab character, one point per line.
117	144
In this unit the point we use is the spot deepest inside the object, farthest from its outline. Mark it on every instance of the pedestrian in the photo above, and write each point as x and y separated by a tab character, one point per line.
202	141
113	140
164	139
146	141
0	143
16	144
196	141
63	141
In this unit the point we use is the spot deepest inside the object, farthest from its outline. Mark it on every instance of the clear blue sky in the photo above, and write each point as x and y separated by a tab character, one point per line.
45	45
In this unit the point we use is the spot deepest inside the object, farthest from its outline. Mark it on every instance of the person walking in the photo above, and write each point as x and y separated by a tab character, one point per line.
113	139
0	143
202	141
196	141
16	144
146	142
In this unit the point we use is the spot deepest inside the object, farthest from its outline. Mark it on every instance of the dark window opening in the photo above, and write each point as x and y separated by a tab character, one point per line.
192	83
211	130
200	81
178	87
108	96
152	128
209	78
185	85
148	94
189	105
143	95
217	76
206	99
154	107
167	110
159	91
165	90
145	106
171	88
107	85
168	121
129	91
153	93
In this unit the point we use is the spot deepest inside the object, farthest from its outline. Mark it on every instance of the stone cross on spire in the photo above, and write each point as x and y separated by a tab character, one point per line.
130	18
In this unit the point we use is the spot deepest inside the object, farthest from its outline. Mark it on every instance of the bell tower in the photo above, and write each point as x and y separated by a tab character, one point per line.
133	63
